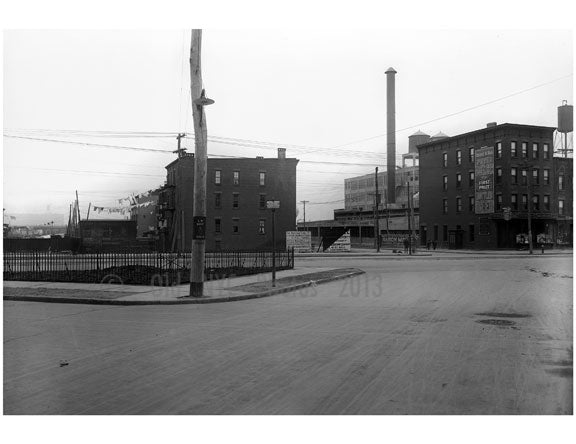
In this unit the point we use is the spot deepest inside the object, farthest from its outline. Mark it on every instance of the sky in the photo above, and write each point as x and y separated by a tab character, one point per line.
300	72
321	93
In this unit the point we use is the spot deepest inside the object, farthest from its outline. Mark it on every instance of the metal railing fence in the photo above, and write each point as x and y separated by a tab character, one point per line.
136	268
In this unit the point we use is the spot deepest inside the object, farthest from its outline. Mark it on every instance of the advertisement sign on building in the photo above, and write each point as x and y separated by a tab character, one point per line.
342	244
301	241
484	180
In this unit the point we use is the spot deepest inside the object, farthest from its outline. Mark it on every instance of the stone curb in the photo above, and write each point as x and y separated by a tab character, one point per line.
437	255
183	300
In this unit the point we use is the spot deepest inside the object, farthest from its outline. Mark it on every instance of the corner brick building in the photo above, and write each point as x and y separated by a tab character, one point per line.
236	213
522	171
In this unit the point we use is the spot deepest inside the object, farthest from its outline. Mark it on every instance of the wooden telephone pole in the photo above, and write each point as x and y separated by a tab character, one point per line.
304	202
199	100
377	213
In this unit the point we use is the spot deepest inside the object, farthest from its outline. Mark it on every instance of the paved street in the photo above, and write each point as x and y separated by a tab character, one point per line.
459	335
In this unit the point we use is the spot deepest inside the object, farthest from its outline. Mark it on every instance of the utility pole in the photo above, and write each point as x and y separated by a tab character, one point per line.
199	100
273	247
304	202
409	221
180	151
79	233
376	213
529	210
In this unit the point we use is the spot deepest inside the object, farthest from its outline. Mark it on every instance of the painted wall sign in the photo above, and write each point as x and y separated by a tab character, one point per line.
484	180
301	241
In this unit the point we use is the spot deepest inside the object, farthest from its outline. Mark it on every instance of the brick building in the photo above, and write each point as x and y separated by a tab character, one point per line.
476	188
236	213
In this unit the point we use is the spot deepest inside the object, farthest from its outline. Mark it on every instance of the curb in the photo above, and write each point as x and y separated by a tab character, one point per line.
438	255
183	300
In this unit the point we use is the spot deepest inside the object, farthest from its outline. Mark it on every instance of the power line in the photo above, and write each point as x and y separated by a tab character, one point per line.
325	203
123	147
459	112
304	148
214	139
87	172
131	148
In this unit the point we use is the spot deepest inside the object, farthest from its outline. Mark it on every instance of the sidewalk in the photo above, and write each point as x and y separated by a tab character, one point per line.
223	290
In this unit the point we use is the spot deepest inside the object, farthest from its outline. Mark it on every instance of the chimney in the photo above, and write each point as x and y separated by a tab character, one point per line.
491	124
391	133
281	153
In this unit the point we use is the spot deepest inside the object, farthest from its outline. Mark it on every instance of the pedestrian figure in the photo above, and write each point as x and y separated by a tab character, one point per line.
428	245
406	245
434	245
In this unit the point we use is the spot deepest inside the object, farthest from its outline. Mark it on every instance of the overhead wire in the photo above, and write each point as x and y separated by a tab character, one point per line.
250	143
459	112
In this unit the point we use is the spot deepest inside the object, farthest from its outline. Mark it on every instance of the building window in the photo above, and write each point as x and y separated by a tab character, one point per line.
546	151
471	177
471	204
514	202
524	149
458	204
561	207
235	200
262	226
471	155
471	233
235	225
263	178
218	225
536	203
445	159
499	150
218	245
218	200
498	202
546	202
458	157
445	233
524	176
458	180
546	176
514	175
445	206
525	202
236	177
217	177
535	176
561	182
262	202
535	151
445	183
513	149
498	175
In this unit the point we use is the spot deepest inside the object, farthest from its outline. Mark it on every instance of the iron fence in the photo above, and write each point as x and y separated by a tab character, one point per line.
136	268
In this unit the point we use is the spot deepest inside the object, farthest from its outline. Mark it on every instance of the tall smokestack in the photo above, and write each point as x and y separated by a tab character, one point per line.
391	132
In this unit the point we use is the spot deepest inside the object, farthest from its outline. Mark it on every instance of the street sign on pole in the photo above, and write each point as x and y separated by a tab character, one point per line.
273	205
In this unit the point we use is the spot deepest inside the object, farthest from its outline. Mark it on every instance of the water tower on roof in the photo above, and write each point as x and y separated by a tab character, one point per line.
418	138
565	124
438	136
